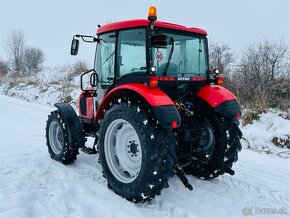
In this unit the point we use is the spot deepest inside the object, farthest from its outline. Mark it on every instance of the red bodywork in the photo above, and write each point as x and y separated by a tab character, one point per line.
215	95
154	96
89	105
212	94
143	22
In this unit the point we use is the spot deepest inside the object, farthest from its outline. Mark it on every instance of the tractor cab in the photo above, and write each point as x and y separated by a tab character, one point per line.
172	57
169	56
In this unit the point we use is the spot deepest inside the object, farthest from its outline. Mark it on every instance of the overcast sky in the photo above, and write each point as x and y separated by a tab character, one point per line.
51	24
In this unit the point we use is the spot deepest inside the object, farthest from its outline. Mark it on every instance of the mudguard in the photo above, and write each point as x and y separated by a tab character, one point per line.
229	109
73	124
164	108
221	99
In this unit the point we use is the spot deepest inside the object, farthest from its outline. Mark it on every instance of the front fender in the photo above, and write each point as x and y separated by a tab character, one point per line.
74	126
164	108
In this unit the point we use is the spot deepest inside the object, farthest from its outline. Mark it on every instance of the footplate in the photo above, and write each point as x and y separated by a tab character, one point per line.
89	150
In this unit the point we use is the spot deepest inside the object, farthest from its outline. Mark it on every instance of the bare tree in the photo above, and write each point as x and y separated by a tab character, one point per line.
79	67
264	73
221	57
33	58
4	68
15	49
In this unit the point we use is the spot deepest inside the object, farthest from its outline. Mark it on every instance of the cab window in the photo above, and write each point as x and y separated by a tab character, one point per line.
105	63
132	52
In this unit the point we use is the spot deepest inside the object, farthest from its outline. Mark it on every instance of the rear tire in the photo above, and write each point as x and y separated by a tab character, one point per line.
225	150
57	139
133	153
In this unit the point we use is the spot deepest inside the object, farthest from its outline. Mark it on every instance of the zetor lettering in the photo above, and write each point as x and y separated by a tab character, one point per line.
153	107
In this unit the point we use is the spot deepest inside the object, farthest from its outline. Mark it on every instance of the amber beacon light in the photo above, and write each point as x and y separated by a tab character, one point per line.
152	14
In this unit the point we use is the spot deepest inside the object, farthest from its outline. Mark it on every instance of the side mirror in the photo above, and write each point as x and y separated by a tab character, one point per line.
159	41
74	47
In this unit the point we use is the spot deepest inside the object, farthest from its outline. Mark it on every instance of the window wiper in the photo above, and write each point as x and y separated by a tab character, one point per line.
169	56
111	55
199	51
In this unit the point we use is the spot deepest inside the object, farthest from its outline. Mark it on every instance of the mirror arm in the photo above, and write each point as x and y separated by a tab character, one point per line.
92	39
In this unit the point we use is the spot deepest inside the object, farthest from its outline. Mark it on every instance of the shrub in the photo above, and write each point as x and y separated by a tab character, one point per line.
282	142
250	116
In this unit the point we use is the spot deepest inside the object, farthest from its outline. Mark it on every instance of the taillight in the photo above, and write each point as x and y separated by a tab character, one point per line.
174	124
153	81
238	116
220	81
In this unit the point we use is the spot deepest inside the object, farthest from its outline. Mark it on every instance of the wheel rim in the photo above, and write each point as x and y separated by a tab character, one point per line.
123	151
206	139
56	139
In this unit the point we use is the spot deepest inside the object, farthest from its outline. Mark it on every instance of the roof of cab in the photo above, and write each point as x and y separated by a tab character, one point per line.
143	22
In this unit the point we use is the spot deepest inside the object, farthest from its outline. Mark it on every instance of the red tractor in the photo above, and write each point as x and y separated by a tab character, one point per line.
153	107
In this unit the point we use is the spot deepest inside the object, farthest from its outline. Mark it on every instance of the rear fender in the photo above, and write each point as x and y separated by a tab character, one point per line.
164	108
73	124
221	99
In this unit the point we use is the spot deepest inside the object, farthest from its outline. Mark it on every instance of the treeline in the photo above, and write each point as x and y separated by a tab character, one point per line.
260	77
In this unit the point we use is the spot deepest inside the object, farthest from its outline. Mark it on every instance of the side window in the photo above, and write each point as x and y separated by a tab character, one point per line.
132	53
196	56
105	58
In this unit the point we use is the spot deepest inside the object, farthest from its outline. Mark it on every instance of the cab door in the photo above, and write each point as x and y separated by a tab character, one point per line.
105	60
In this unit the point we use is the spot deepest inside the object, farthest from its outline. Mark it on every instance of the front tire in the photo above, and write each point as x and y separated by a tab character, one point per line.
133	153
57	139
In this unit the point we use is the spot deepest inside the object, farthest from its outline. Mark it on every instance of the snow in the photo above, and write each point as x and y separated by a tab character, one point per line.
260	134
34	185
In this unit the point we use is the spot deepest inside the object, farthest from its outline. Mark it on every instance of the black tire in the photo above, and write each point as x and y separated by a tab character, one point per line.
57	139
225	150
156	162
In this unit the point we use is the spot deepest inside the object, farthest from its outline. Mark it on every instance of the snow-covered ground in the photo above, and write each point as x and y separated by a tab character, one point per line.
33	185
259	135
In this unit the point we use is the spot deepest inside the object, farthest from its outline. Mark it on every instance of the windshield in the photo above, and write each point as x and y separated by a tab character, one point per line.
184	56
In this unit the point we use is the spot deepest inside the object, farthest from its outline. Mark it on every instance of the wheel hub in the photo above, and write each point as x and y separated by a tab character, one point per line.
203	139
60	137
56	139
133	147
